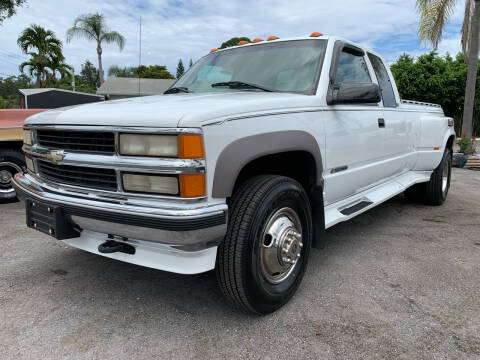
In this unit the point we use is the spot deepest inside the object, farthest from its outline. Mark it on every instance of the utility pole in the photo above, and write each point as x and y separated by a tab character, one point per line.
73	80
140	55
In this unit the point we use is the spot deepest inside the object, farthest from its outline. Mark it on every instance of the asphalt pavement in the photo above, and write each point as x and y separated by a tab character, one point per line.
400	281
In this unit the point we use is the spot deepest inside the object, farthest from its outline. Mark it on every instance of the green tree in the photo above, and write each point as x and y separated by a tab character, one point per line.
9	90
142	71
233	42
89	75
80	85
8	8
436	79
116	71
94	28
434	15
180	69
47	47
57	64
154	72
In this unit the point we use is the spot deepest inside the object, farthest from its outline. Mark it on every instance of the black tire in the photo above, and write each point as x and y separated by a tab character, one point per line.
11	161
434	192
240	271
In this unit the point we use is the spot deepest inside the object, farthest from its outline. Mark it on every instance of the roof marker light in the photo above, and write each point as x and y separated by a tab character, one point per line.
316	34
257	40
272	37
243	42
213	50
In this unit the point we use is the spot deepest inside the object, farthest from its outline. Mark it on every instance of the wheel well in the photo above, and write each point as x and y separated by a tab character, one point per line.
11	145
298	165
450	142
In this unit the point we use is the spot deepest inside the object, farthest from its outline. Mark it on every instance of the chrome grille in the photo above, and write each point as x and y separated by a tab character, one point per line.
89	177
85	141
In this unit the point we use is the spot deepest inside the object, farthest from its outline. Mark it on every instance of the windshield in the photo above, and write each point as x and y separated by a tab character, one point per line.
290	66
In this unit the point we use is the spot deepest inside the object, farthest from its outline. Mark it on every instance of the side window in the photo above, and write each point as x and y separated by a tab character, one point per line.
352	69
384	81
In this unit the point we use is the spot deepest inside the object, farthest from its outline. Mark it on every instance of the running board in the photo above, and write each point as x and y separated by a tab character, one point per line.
354	205
352	209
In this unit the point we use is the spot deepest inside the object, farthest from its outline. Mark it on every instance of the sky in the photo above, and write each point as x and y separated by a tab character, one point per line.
188	29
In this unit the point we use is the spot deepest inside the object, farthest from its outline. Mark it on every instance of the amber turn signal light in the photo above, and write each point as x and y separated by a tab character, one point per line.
192	185
316	34
190	146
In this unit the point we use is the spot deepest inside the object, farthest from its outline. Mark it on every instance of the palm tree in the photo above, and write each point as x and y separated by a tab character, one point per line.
93	27
57	64
434	15
46	45
36	66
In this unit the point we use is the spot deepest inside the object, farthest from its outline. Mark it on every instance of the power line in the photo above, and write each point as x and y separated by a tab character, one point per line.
10	54
11	62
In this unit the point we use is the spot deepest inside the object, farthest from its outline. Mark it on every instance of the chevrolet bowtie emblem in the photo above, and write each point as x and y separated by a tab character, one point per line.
55	156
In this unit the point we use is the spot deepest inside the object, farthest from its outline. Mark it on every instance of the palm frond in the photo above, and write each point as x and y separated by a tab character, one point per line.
434	15
114	37
80	33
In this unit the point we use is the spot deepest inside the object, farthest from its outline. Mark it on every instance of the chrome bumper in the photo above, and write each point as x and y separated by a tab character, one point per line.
186	227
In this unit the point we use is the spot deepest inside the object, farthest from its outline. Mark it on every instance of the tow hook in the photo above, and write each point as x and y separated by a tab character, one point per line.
111	246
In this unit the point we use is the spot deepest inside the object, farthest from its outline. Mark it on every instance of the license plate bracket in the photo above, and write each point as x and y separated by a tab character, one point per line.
49	219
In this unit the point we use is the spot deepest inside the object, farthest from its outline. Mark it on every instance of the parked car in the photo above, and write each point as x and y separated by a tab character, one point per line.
12	160
239	167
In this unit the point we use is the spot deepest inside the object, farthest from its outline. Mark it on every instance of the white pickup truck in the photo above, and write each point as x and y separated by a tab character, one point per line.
239	167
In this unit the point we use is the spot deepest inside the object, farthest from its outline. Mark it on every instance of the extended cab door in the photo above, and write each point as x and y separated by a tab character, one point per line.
354	134
397	130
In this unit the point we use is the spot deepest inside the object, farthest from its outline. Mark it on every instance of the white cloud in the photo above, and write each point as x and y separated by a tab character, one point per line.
174	29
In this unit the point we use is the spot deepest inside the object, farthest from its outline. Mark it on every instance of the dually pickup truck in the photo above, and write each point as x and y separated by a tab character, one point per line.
240	166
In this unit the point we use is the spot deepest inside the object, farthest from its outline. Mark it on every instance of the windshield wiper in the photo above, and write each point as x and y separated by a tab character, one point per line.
240	84
176	90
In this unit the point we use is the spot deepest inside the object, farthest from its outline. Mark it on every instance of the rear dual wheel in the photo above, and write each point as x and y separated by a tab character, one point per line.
263	257
435	191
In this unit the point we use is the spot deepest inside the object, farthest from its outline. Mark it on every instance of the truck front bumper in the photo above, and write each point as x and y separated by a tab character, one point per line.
177	239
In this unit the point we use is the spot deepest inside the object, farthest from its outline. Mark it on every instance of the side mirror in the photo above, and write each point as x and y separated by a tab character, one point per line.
355	93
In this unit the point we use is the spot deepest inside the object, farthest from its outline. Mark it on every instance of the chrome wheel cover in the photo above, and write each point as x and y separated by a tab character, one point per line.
281	245
7	171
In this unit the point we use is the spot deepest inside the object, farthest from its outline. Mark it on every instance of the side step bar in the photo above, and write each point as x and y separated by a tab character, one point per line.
357	207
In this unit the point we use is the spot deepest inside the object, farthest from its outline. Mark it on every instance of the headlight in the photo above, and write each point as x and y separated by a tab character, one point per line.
27	137
151	184
149	145
30	164
183	146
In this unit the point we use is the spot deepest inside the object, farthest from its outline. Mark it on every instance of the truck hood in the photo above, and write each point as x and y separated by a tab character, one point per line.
184	110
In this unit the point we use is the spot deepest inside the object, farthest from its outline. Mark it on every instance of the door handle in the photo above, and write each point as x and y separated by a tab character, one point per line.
381	123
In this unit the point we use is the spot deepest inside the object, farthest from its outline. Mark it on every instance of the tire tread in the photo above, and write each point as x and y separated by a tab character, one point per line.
230	273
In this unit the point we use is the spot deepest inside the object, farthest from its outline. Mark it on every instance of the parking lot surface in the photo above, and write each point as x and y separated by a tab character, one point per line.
400	281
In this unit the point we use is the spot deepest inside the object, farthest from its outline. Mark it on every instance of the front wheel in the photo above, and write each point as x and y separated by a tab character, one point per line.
263	257
11	162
